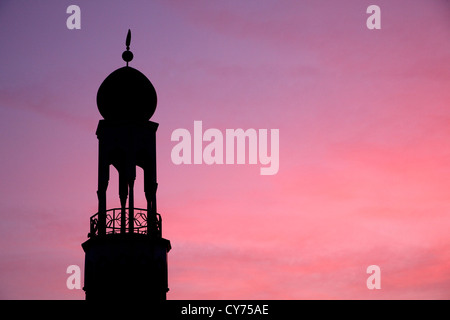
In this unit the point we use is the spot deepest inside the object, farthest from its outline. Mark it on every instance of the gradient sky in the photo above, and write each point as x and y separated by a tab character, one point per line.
364	120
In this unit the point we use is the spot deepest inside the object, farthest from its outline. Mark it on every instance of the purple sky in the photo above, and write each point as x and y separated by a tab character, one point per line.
364	120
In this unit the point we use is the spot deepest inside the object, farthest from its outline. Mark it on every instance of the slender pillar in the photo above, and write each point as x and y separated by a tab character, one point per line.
131	207
123	194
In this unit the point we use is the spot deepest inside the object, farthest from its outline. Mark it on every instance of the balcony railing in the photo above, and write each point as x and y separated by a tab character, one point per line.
115	224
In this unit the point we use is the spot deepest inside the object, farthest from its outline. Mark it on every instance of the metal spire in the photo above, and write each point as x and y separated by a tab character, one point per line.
127	55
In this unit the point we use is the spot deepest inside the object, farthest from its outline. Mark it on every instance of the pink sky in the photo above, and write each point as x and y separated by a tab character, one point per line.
364	120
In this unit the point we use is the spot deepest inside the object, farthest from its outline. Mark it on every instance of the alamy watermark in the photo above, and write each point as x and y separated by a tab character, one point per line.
225	149
74	280
374	281
73	22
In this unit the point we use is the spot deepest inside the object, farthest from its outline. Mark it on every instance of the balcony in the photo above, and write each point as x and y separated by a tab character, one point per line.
119	222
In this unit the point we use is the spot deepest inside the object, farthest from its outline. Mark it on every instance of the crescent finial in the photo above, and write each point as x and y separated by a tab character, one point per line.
127	55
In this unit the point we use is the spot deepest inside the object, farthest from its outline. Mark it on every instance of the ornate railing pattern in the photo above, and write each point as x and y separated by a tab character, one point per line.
114	222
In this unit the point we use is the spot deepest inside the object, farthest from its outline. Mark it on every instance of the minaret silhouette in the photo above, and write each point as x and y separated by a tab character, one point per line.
125	255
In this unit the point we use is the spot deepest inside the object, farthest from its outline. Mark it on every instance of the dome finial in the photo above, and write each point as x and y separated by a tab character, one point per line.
127	56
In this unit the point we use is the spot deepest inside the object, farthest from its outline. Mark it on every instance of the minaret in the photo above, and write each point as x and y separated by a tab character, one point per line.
125	255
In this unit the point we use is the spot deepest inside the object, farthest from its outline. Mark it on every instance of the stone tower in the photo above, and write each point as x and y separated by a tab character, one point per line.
126	255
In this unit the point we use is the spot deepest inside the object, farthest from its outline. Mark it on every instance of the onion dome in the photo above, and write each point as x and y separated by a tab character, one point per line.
126	94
